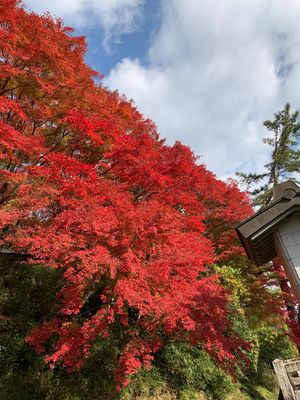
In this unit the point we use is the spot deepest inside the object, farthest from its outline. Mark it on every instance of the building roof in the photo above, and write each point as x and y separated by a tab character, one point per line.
257	232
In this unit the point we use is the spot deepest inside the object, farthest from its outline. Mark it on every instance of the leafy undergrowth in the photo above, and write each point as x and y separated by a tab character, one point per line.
180	371
251	392
185	373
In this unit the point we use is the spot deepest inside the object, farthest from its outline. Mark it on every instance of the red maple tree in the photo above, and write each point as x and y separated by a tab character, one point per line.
87	186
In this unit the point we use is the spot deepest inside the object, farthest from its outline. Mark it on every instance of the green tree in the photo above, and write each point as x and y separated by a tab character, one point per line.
284	133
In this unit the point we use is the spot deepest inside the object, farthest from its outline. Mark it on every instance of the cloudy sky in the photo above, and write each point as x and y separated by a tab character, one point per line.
207	72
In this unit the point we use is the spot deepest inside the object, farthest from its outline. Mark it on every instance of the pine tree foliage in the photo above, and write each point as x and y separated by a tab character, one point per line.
284	134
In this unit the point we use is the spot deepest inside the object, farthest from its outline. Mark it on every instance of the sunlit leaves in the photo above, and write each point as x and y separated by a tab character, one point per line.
88	187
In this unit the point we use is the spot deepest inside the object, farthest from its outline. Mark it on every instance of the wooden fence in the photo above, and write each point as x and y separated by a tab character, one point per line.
288	374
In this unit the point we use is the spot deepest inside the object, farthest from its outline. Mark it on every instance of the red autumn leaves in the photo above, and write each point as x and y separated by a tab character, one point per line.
88	187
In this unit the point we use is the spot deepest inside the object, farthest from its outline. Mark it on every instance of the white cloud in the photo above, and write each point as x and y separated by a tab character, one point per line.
215	70
116	17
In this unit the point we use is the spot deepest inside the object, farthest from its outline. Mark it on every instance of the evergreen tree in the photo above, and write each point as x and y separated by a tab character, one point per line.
284	136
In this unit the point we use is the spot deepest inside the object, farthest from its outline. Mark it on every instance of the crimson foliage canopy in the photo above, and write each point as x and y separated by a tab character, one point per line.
88	187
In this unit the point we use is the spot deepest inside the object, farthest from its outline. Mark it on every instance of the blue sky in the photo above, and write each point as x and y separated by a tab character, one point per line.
207	72
133	44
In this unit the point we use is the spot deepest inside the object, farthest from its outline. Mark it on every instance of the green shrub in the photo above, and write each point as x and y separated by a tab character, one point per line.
190	368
